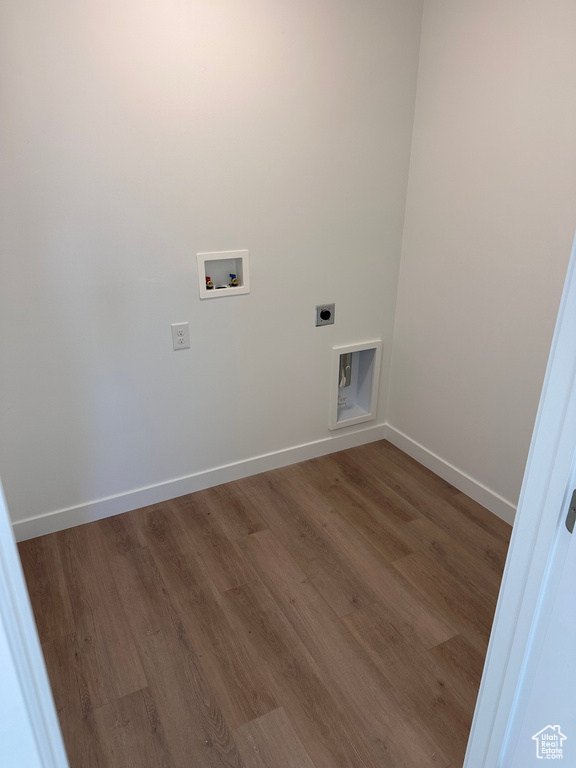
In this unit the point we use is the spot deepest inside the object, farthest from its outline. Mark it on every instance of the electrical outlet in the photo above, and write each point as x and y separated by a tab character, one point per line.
325	314
180	336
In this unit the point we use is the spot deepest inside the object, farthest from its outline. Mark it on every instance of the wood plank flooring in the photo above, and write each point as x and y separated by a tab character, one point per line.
330	614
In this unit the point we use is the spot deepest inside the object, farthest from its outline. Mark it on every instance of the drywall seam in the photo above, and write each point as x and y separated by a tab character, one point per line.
468	485
96	510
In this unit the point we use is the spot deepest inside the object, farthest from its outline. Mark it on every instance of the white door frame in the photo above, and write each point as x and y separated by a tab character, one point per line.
25	653
541	509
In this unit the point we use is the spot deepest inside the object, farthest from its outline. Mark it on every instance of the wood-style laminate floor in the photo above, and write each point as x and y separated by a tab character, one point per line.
332	613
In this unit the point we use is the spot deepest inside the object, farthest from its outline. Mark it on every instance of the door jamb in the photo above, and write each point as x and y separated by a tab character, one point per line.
24	648
540	511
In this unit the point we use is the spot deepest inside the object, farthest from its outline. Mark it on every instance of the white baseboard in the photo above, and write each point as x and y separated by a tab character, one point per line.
468	485
154	494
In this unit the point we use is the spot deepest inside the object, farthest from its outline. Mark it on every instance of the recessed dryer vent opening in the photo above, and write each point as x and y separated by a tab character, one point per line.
355	380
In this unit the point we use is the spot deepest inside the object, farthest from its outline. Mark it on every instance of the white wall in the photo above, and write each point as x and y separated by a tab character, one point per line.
489	225
136	134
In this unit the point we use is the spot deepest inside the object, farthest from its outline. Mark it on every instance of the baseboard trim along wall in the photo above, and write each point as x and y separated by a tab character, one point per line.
468	485
154	494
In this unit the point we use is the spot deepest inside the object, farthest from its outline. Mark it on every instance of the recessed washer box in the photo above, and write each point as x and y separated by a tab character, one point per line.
218	266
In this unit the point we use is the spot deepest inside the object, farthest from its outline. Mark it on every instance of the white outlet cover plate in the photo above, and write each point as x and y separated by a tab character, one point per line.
180	336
